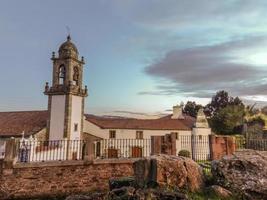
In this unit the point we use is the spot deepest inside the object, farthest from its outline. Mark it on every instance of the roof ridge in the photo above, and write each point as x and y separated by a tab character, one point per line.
23	111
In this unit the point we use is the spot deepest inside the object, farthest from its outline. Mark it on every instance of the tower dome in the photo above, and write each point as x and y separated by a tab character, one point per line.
68	49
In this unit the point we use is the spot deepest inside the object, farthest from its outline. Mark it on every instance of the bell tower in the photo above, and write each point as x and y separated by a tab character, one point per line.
66	95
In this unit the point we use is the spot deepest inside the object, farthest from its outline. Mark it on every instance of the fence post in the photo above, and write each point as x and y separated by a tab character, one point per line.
230	145
10	155
173	144
212	146
89	150
193	146
156	143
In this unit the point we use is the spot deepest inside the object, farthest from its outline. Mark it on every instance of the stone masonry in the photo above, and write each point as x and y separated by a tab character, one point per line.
31	180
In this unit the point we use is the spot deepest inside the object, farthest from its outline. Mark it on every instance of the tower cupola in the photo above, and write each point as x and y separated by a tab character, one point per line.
68	49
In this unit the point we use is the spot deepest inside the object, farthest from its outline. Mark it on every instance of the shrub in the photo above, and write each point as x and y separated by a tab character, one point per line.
184	153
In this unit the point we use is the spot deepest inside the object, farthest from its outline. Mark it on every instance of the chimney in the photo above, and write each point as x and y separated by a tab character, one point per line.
177	112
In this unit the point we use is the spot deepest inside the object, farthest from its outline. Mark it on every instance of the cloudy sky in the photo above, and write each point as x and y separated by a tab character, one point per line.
141	56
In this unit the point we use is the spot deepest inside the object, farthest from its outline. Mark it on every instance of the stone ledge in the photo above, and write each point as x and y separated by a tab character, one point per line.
73	163
48	164
115	161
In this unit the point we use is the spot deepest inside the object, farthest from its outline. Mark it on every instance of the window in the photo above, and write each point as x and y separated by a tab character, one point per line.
139	135
76	75
61	74
75	127
176	135
112	134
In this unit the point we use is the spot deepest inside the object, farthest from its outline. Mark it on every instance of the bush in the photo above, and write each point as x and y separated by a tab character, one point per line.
184	153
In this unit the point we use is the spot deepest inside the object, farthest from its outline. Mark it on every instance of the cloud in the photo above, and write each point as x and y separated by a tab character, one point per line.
179	13
201	71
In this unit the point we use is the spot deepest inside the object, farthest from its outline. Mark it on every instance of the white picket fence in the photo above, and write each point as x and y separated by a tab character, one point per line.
33	150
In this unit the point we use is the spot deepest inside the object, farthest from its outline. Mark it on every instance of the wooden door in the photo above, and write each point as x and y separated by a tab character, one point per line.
137	152
74	156
112	153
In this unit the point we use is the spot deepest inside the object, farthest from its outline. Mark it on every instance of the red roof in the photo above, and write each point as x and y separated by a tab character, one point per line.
31	122
164	123
14	123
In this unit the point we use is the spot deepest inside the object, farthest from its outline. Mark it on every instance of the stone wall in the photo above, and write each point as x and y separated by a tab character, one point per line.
29	180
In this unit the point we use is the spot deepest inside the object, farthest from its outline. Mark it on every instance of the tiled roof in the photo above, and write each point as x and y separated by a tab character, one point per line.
14	123
31	122
164	123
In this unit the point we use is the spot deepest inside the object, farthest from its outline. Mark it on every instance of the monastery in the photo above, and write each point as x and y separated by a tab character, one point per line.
65	117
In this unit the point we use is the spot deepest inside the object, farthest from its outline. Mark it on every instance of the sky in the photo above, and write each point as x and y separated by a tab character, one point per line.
141	56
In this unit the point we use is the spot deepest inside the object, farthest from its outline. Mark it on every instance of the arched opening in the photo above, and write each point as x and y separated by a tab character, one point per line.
62	74
76	76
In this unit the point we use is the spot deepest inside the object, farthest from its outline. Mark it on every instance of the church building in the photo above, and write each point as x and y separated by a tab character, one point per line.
65	117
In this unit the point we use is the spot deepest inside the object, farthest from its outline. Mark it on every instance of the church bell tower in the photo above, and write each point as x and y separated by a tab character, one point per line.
66	95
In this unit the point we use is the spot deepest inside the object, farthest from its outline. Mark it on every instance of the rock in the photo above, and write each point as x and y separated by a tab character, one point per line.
115	183
166	170
130	193
168	195
245	172
221	192
121	193
93	196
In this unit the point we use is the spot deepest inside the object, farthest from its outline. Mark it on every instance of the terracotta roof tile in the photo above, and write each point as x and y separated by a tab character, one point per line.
14	123
164	123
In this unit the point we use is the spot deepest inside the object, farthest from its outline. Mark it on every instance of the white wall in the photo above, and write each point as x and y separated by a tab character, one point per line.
201	131
57	117
126	133
183	142
76	117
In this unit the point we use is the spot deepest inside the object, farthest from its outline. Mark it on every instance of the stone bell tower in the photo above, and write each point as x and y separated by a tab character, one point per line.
66	95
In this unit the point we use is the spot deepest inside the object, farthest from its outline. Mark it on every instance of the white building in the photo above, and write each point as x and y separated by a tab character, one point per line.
65	118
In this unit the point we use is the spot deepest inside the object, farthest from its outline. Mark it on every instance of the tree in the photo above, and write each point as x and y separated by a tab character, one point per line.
191	108
226	120
264	110
226	114
219	101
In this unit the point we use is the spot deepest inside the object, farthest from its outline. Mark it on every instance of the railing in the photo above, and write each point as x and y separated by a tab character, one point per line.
240	142
122	148
199	148
2	149
255	144
197	145
2	154
56	150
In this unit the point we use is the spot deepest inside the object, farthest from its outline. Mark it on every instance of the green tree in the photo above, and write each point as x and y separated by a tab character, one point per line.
191	108
219	101
226	114
227	119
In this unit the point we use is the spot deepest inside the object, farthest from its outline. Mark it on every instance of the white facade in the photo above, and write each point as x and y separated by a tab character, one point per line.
127	133
194	140
76	118
57	117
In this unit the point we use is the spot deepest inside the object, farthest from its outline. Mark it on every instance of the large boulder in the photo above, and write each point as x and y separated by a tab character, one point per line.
170	171
131	193
245	172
